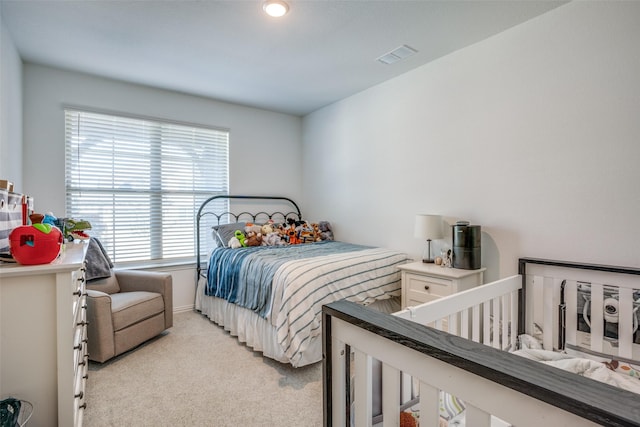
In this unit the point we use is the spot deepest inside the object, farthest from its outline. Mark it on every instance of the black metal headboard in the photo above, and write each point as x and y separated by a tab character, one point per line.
205	211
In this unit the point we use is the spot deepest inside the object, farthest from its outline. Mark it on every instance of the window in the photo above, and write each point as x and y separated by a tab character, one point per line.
140	182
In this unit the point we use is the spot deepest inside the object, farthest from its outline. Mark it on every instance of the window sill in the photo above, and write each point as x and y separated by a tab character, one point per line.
177	264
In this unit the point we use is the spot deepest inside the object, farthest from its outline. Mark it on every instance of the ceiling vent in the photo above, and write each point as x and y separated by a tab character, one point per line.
397	54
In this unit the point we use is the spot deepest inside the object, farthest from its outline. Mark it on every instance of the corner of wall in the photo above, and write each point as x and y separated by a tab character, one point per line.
10	108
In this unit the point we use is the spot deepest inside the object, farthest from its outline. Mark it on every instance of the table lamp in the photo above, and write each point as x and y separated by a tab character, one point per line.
428	227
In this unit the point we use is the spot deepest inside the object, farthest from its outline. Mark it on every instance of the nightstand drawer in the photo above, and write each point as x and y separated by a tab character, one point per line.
424	287
423	282
415	299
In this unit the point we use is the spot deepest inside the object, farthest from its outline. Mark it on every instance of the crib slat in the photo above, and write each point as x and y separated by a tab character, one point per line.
626	318
452	324
530	312
514	319
597	314
464	324
548	311
338	382
495	342
429	406
571	317
390	396
475	326
504	322
363	389
477	417
486	323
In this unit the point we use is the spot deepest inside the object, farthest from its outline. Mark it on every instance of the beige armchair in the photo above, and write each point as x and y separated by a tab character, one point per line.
127	309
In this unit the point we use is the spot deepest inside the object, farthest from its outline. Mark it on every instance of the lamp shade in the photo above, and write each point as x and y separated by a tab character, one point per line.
428	227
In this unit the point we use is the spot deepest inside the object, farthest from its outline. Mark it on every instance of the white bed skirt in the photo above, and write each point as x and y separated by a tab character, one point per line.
258	333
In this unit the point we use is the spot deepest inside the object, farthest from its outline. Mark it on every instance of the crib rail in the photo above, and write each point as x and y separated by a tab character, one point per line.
583	293
490	381
485	314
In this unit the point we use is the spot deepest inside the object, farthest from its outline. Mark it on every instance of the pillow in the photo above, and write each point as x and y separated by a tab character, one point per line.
108	285
224	232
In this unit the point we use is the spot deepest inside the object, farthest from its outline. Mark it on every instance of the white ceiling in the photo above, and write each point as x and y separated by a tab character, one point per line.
322	51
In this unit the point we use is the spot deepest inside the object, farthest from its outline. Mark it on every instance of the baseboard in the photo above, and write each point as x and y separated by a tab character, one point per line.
183	308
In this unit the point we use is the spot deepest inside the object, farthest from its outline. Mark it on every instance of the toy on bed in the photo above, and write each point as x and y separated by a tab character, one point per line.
326	233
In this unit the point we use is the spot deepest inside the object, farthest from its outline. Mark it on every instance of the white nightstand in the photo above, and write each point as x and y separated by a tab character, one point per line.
422	282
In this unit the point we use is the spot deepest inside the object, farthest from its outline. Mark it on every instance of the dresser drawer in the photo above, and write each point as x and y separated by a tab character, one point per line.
78	290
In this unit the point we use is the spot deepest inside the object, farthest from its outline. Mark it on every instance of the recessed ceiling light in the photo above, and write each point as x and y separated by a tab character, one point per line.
275	8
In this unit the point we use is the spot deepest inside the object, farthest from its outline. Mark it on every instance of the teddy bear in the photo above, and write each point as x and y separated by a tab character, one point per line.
253	239
266	229
325	230
249	227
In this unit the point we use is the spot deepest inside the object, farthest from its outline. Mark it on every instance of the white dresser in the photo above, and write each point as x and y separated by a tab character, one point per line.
43	356
423	282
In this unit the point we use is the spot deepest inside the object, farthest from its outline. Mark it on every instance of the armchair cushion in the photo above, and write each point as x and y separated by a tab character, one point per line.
128	308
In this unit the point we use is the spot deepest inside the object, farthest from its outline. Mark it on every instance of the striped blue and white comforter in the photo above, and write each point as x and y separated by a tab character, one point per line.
287	285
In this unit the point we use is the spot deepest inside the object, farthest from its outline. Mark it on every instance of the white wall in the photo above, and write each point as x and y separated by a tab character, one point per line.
533	134
265	147
10	109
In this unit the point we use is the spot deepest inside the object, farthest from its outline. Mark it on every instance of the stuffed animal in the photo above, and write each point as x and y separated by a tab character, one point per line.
292	235
316	232
284	235
407	420
253	239
251	227
241	237
305	233
234	243
325	230
272	239
266	229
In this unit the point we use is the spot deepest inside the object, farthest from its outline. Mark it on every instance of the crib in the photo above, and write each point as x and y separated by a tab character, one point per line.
461	346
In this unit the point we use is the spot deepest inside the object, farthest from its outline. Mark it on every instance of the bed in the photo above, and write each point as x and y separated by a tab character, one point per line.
270	296
459	360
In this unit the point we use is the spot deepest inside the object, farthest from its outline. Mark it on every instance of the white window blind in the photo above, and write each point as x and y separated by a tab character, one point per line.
140	182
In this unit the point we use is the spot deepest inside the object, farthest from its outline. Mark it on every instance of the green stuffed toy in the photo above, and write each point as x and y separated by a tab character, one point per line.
240	236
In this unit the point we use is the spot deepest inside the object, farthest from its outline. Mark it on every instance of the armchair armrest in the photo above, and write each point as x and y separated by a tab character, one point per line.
150	281
100	326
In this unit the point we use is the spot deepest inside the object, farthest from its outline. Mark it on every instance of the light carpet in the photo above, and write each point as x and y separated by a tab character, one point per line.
196	374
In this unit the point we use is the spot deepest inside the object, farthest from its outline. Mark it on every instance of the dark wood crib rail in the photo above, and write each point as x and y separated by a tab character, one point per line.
589	399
